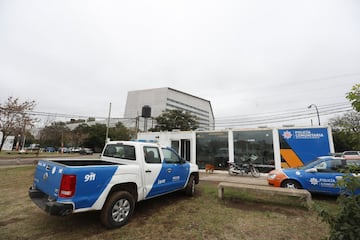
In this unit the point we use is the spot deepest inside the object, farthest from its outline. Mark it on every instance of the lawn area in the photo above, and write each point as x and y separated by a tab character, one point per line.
173	216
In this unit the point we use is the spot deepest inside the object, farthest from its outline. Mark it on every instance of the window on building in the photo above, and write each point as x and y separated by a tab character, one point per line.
212	148
257	146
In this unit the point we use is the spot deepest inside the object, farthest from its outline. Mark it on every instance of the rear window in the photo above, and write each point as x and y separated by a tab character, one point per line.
120	151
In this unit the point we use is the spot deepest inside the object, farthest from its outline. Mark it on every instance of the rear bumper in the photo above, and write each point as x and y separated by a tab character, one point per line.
51	207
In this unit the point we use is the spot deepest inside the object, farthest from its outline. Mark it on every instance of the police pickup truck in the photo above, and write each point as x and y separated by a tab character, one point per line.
127	172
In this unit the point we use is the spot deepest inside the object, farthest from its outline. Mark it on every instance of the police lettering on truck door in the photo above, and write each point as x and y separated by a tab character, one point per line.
163	175
177	172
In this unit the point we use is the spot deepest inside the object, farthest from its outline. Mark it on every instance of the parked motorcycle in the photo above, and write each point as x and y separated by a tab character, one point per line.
244	168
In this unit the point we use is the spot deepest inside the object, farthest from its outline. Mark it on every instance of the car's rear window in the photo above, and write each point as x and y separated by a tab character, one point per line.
120	151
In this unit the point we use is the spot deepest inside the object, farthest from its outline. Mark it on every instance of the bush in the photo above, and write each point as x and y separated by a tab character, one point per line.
345	223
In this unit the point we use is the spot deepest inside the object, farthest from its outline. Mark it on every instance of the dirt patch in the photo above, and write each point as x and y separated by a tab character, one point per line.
265	207
9	221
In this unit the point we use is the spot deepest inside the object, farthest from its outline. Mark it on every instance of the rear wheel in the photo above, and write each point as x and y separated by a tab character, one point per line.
117	209
291	184
190	187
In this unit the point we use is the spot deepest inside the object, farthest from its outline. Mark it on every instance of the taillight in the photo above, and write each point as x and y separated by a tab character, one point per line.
67	187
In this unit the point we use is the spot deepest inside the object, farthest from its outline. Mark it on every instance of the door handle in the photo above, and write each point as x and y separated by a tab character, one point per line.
148	171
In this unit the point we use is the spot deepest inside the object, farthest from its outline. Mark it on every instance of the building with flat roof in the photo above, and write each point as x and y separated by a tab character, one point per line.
158	100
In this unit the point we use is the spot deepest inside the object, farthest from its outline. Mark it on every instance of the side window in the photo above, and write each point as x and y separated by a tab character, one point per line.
323	167
333	165
351	164
170	156
336	165
120	151
152	155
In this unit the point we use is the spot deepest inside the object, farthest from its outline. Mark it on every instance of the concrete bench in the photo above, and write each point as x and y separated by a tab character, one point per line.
301	193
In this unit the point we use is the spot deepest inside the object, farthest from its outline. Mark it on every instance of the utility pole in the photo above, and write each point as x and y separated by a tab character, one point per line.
108	124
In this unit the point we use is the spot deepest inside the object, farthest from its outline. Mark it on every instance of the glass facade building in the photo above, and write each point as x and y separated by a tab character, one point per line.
267	148
218	148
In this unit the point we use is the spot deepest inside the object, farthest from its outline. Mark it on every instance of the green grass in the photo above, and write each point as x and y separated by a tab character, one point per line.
173	216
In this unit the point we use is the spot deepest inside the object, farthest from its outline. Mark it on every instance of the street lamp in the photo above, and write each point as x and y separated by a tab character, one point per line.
317	112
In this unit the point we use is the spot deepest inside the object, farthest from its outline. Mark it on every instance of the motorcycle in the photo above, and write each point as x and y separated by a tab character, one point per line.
244	168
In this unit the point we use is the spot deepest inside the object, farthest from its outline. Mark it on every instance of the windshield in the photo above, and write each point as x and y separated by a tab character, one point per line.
314	163
331	164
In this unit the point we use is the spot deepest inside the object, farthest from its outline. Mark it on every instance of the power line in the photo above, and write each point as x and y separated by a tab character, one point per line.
278	117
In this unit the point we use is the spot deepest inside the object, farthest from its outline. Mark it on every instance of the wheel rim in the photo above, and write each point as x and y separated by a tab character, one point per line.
193	187
255	172
121	210
291	185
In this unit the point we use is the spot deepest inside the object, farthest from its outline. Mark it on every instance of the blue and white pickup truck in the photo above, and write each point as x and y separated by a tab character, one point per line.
127	172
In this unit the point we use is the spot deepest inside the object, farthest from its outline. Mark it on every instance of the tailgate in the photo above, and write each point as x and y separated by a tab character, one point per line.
47	177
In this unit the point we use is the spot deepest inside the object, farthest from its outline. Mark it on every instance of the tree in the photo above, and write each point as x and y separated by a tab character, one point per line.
15	117
119	132
175	119
354	97
80	134
96	137
346	131
55	135
344	224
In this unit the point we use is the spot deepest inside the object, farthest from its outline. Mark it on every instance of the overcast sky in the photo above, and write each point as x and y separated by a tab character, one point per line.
245	57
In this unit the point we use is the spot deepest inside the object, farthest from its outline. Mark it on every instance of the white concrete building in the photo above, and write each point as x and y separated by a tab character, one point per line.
160	99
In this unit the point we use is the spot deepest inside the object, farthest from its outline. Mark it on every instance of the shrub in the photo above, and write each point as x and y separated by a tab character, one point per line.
345	223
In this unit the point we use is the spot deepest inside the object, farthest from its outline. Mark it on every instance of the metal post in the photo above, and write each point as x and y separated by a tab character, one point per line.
317	112
108	123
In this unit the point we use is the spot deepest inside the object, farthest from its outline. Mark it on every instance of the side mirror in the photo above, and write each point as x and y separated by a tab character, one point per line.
311	170
182	161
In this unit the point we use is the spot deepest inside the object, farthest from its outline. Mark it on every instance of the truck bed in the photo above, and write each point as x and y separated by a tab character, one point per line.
82	162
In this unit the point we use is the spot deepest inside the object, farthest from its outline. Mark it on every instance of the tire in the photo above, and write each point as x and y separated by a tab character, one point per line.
231	171
254	172
190	187
291	184
117	209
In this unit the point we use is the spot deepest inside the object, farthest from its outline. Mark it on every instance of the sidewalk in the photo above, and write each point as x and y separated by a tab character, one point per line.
223	176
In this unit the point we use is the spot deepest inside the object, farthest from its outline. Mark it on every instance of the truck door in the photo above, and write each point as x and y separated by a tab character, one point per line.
177	169
154	181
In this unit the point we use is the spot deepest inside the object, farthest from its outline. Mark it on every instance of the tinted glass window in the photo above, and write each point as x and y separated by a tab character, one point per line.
170	156
212	149
152	155
120	151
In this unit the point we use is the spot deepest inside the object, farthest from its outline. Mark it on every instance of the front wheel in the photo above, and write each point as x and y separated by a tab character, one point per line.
117	209
190	187
255	172
291	184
